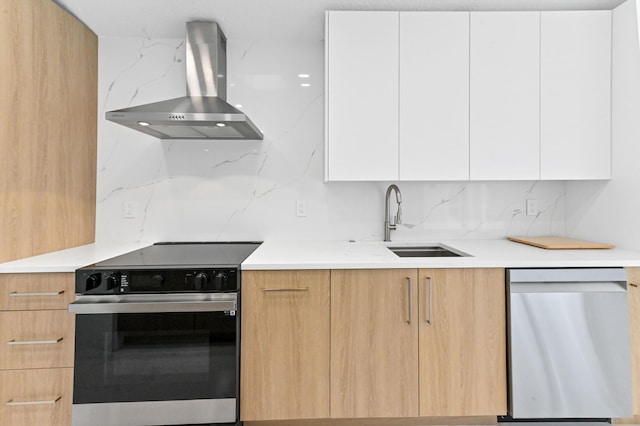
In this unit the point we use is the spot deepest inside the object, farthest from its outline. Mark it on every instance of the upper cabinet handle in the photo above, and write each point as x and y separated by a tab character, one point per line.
48	293
633	285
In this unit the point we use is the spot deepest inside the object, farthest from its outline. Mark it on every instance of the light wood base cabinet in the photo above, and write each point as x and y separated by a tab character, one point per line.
36	349
462	363
633	293
285	345
386	345
374	343
36	397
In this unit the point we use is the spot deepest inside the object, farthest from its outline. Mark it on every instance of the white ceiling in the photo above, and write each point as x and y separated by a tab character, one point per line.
274	19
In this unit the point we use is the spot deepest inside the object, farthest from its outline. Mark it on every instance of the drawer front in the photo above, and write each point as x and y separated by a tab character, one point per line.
25	292
36	339
36	397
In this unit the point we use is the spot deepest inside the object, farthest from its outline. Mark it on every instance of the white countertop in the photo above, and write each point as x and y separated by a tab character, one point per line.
272	255
68	260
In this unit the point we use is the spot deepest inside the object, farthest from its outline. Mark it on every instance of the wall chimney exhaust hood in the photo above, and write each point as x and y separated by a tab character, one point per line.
203	113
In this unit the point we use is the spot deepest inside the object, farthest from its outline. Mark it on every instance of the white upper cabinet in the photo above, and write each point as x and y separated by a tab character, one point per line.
504	98
446	96
434	96
576	95
362	96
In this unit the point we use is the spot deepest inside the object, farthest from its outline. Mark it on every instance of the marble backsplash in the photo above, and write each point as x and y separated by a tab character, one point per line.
247	190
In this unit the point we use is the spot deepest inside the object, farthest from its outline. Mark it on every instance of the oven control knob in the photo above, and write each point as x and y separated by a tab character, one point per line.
220	280
113	281
92	281
201	280
157	280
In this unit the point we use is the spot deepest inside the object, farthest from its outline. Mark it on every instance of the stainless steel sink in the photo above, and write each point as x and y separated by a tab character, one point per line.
425	251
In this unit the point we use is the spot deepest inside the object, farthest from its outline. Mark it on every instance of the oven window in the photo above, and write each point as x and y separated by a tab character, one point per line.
155	357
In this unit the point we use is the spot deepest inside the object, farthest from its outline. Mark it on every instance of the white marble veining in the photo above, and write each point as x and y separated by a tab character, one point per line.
247	190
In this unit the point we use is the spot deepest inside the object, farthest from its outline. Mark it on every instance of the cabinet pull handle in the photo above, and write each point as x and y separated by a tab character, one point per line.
34	342
429	303
633	285
36	294
13	403
287	289
409	299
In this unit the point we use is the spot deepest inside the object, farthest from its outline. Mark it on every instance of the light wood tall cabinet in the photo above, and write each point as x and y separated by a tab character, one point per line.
374	341
36	349
462	335
48	129
285	345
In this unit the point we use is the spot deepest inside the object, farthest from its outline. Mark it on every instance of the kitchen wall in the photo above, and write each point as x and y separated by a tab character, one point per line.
610	211
247	190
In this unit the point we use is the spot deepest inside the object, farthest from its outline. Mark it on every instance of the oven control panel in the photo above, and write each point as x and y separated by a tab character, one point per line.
96	281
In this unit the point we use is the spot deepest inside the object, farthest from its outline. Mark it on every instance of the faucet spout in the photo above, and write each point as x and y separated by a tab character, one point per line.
390	222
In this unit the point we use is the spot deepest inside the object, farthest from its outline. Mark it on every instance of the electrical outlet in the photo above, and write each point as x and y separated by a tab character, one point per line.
301	208
129	209
532	208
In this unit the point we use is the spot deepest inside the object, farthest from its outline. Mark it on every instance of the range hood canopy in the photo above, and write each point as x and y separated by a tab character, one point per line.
203	113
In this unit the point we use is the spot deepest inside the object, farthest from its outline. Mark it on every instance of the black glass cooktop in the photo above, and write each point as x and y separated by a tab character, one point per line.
183	254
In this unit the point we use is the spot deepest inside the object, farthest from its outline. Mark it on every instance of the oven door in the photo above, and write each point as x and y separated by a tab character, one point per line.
155	359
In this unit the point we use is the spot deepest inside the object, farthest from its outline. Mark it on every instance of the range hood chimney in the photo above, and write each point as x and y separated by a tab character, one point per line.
204	112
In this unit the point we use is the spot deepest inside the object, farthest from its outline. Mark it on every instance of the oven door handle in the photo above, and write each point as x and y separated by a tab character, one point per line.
131	305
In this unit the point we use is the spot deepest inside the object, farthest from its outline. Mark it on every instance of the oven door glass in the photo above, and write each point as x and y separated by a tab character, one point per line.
124	357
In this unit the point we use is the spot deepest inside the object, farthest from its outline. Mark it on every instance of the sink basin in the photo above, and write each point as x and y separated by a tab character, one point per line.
424	251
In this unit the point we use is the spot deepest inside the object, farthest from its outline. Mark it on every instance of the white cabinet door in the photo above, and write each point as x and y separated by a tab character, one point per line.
434	96
576	95
361	96
504	99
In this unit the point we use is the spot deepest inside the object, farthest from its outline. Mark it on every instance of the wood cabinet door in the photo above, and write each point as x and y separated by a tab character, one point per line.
36	339
505	96
361	115
27	292
434	96
374	341
284	365
633	281
41	397
575	75
462	324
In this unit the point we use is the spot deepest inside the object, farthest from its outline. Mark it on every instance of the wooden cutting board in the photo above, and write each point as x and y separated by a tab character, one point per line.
560	243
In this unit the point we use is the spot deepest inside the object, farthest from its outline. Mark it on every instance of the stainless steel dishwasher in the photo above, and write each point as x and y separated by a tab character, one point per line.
569	343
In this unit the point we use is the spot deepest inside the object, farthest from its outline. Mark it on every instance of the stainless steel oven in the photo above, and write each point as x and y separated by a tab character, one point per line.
157	337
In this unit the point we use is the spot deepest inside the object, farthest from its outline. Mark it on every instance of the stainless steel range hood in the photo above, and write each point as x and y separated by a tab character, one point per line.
203	113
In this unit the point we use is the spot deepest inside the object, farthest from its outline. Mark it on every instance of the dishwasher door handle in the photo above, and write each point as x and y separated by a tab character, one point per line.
568	287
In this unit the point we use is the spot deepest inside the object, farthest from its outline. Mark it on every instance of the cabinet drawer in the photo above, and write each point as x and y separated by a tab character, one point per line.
36	397
36	339
24	292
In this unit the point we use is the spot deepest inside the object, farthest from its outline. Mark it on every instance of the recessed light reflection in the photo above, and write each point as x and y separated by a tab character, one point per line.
220	124
238	106
304	75
305	84
143	123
